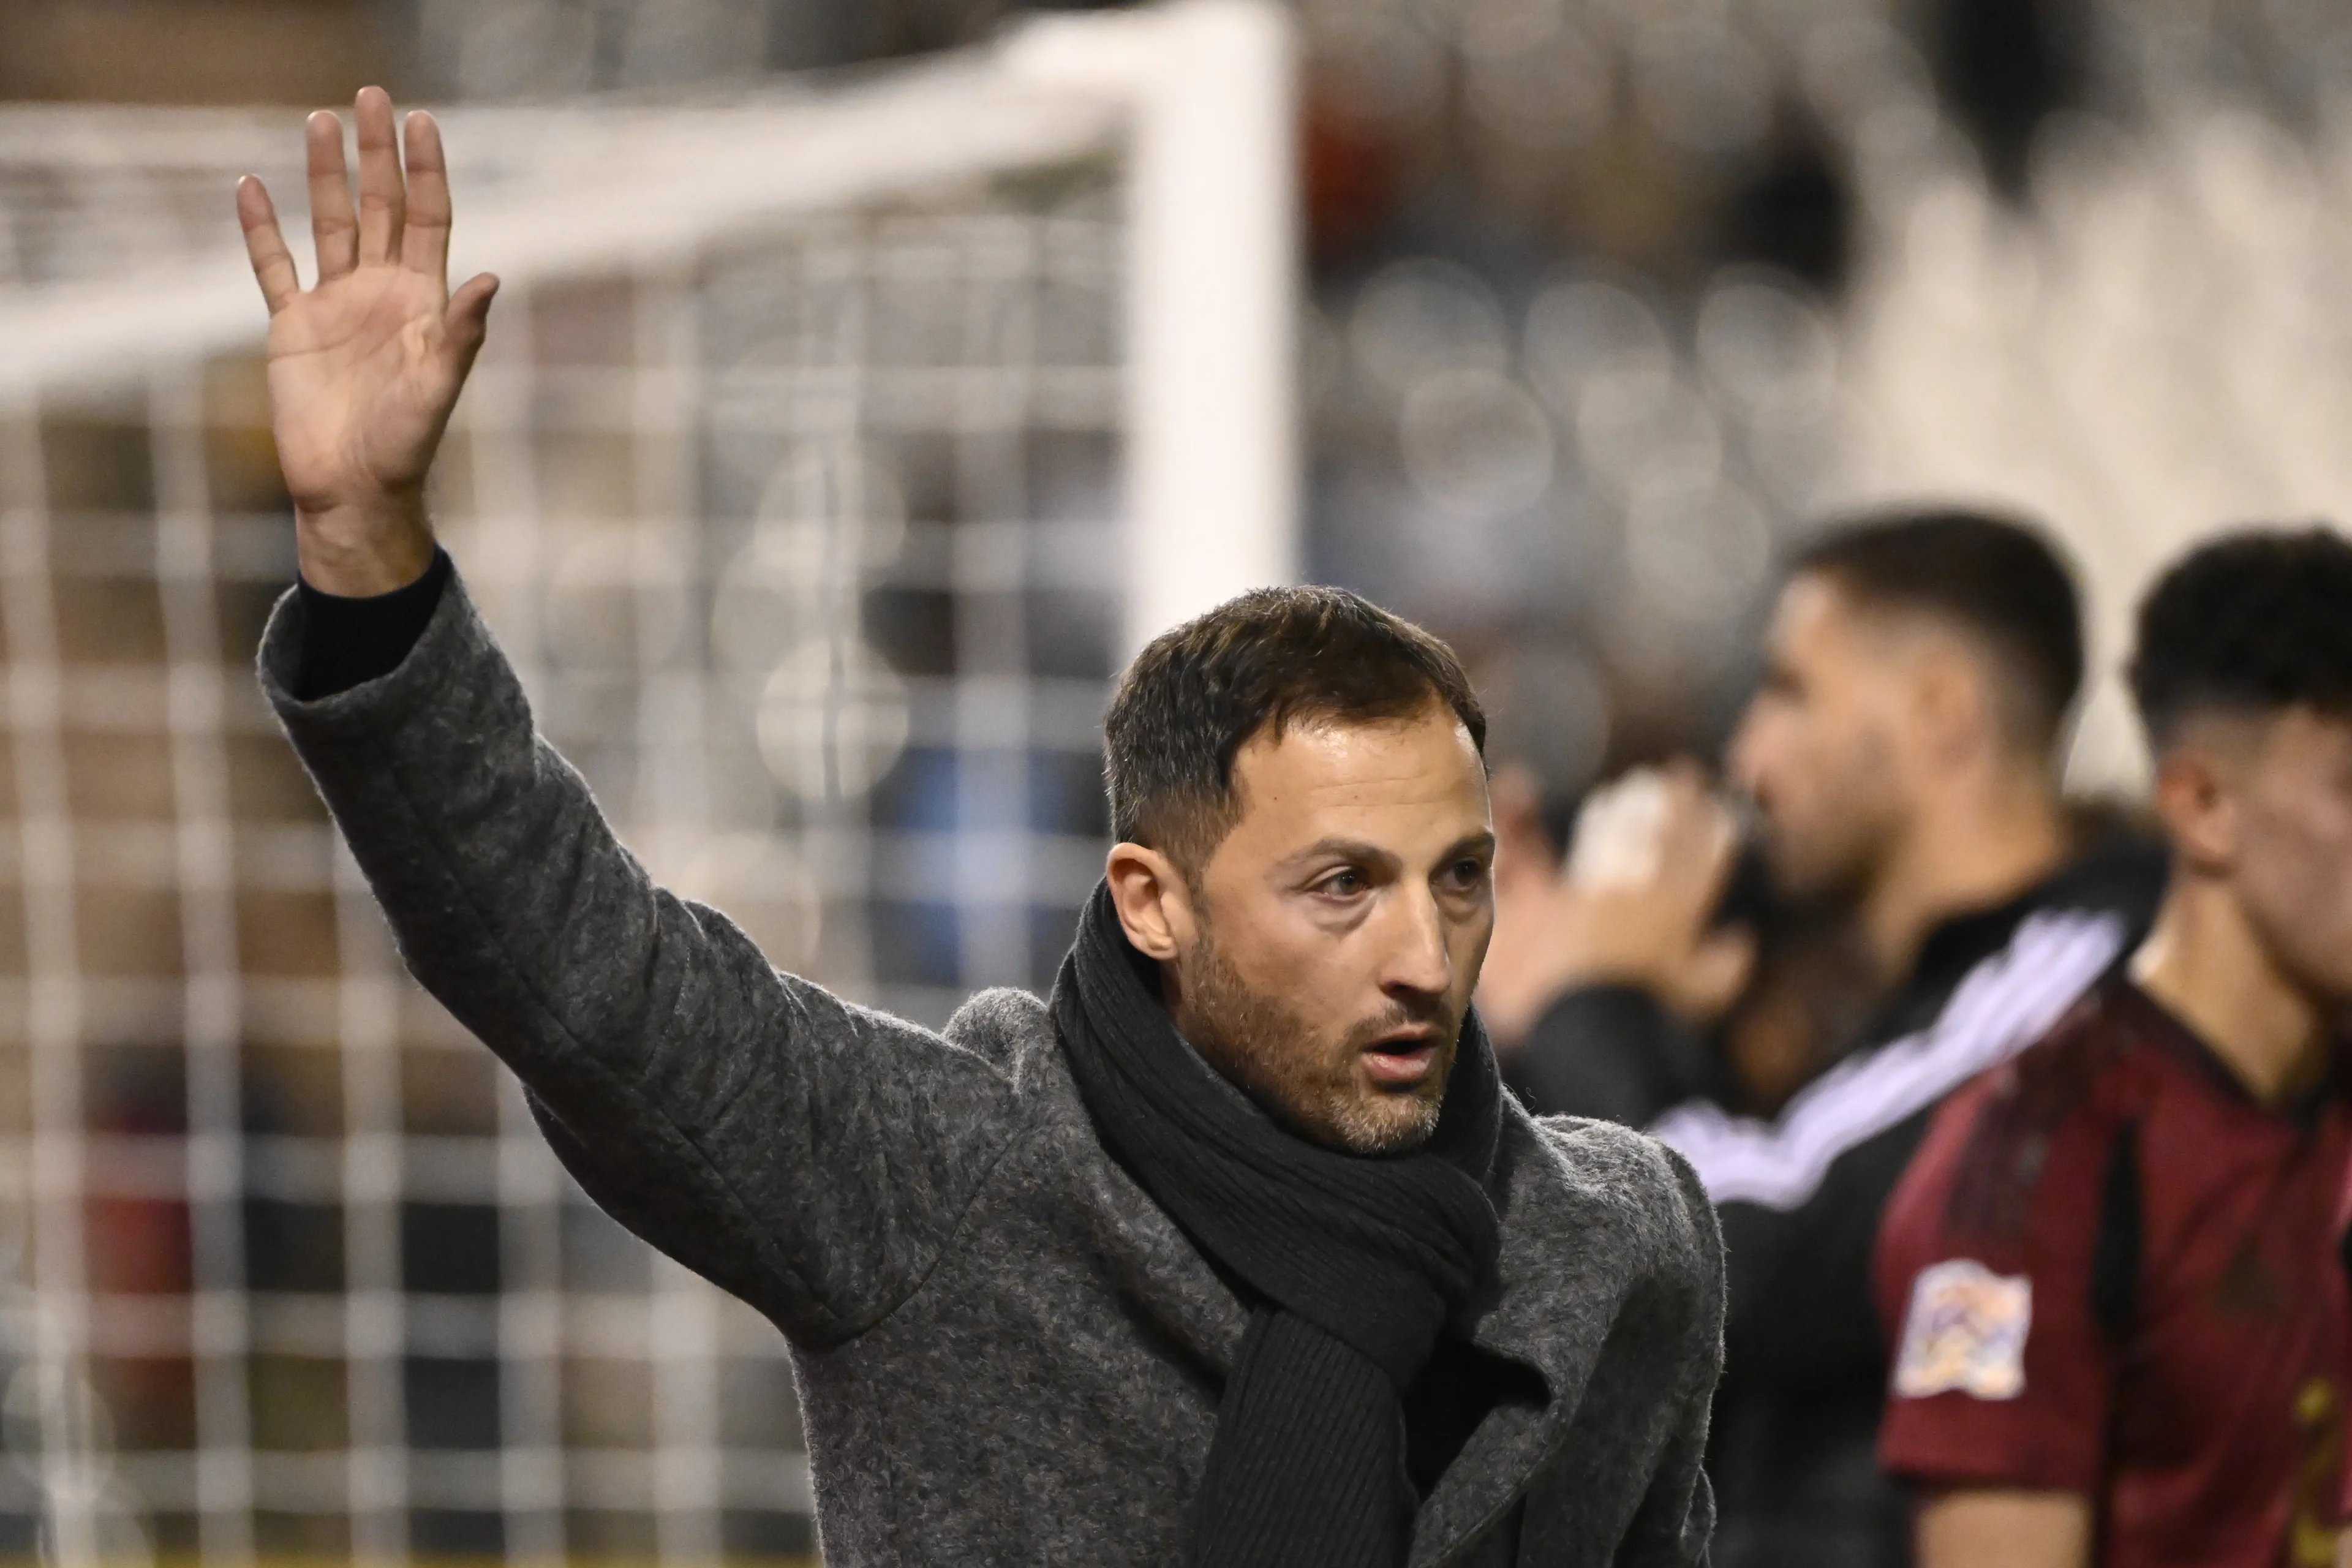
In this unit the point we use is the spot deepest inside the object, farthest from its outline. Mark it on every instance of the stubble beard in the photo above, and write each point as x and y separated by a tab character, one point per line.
1302	1075
1847	849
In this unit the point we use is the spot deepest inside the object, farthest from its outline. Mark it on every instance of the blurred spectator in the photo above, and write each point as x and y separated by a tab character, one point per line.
1903	757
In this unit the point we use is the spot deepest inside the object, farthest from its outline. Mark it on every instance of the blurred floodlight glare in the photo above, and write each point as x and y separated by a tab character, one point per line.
1702	86
1382	65
1852	64
1761	342
1695	552
1421	318
1631	433
2255	183
1584	331
824	488
832	721
1791	447
1538	84
1474	442
1549	711
761	609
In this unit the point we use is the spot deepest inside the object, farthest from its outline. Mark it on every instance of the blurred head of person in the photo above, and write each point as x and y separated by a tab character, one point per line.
1919	671
2242	675
1299	791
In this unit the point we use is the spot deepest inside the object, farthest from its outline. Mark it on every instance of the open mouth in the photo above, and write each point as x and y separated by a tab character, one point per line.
1405	1059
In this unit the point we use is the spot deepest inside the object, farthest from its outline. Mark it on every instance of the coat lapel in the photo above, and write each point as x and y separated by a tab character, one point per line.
1560	1282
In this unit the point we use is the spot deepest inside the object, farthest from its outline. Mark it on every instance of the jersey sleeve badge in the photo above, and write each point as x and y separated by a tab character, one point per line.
1965	1331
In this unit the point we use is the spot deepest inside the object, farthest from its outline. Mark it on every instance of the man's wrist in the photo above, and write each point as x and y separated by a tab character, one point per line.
358	550
347	642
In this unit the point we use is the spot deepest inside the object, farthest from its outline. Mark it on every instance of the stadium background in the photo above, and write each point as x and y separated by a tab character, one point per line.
813	531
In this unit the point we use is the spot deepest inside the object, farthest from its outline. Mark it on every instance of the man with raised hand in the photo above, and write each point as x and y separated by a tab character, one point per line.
2115	1275
1232	1252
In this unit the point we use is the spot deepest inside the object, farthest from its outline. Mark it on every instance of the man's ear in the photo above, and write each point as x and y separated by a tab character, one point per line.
1951	700
1155	907
2199	812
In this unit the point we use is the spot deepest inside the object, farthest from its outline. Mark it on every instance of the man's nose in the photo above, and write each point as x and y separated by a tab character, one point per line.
1418	959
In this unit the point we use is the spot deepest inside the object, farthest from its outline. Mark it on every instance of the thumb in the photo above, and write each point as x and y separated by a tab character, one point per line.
466	320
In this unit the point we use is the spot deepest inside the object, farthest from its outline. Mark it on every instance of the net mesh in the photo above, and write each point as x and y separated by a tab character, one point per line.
803	533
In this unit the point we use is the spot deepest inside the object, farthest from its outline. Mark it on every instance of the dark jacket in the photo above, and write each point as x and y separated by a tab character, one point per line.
1005	1352
1793	1453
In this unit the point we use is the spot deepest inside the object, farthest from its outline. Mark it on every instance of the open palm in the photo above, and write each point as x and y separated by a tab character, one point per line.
366	366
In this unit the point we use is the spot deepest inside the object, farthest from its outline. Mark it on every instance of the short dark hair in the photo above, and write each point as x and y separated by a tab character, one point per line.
2254	621
1999	581
1269	659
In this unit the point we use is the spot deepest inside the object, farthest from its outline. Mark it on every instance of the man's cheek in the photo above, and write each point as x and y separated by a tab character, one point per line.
2318	912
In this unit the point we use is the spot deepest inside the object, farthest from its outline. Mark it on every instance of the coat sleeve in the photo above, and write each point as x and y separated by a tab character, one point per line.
806	1155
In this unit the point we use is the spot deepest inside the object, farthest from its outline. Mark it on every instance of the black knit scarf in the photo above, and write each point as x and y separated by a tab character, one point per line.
1353	1264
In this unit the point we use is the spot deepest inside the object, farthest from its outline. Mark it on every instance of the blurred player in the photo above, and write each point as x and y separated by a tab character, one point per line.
1904	756
2115	1270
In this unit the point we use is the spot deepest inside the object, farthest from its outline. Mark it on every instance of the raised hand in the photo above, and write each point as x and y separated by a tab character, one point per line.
366	366
1633	906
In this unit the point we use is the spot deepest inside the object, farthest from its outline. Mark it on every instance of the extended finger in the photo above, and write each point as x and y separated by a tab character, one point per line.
273	267
334	230
382	199
424	238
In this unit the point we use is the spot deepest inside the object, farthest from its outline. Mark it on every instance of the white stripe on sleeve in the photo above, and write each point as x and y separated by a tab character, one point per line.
2003	1005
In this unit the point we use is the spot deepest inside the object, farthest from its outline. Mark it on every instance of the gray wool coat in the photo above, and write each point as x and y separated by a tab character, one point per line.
1006	1352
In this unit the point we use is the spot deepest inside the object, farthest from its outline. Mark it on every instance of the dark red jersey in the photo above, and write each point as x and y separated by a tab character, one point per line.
2110	1272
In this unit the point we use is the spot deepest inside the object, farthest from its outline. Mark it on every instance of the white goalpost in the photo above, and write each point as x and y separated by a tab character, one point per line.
832	448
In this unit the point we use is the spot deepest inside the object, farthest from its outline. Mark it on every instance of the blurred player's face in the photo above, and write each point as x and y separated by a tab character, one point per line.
2282	833
1820	746
1337	929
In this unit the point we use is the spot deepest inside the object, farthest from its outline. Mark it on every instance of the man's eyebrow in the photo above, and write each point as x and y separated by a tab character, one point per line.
1343	849
1335	849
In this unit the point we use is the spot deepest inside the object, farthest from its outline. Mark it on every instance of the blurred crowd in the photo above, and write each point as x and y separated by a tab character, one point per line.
1610	302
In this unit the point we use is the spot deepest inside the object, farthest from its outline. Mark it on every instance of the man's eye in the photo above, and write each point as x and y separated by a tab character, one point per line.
1469	873
1342	884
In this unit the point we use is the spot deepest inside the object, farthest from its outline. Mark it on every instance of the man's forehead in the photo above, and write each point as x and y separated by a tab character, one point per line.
1338	765
1818	614
1804	617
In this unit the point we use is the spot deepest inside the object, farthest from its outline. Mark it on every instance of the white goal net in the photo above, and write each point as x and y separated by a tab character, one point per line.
830	451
